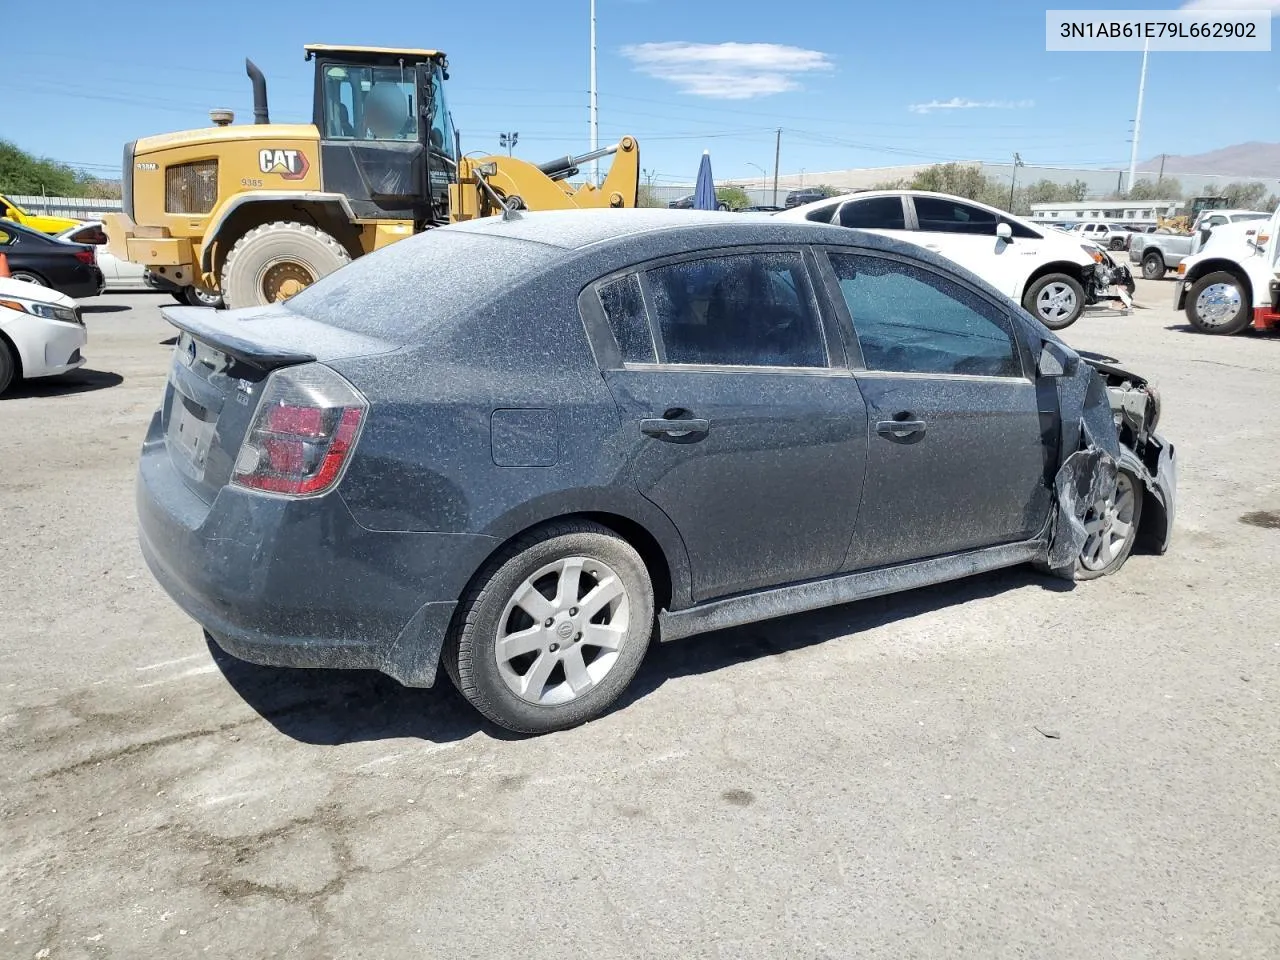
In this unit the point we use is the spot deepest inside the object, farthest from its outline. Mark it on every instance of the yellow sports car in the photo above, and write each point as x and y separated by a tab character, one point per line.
36	221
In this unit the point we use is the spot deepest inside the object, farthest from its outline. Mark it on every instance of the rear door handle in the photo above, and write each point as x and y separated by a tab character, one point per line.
662	427
901	431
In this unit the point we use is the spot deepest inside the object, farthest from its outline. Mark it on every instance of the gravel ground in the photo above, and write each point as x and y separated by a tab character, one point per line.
1002	767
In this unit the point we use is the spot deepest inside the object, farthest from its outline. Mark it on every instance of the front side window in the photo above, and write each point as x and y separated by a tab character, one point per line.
874	213
752	310
940	215
910	320
442	137
369	103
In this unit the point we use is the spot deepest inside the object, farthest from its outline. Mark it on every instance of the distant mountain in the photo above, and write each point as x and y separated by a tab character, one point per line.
1252	159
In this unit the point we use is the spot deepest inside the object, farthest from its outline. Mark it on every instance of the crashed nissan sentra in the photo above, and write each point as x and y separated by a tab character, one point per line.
524	448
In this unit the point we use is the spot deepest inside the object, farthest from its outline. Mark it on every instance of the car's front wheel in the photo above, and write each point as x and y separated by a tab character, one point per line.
554	628
1112	525
8	366
1056	300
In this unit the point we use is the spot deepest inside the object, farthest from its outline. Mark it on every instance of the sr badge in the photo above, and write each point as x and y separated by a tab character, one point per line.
290	164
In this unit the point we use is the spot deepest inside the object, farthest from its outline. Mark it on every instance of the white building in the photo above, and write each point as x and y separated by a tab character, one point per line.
1138	211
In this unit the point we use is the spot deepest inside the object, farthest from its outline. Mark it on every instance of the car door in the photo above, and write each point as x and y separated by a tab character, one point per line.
956	456
966	234
739	417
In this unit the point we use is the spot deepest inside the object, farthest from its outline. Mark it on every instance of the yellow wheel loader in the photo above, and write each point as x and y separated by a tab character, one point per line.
258	212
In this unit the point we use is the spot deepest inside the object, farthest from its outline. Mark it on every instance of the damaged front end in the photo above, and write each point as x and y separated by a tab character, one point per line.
1109	417
1109	282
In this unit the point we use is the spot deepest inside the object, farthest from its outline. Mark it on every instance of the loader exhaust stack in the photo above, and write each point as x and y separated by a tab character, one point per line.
259	82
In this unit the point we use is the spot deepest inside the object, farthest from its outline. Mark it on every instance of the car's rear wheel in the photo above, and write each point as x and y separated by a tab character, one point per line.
29	277
1153	265
554	628
1112	524
1056	300
8	366
1217	304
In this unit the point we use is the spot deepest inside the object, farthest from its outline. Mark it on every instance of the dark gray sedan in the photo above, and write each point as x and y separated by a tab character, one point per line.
525	448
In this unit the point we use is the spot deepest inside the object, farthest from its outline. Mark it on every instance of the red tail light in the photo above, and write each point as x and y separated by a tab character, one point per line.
85	255
302	436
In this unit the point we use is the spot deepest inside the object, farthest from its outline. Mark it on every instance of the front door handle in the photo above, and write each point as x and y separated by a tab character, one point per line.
901	431
681	428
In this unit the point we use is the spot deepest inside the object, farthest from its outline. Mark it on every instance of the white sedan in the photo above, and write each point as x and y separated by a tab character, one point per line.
41	332
1054	276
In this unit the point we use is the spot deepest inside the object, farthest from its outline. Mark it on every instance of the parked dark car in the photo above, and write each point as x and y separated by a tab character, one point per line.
686	203
69	268
619	425
804	195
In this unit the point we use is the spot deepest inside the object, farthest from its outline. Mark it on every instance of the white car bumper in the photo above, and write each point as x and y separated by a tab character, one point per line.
46	347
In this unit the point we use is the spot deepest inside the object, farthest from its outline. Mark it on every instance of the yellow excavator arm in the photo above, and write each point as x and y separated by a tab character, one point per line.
485	184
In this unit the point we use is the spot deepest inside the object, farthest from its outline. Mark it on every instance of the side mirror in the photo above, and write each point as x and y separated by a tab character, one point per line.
1057	361
1004	232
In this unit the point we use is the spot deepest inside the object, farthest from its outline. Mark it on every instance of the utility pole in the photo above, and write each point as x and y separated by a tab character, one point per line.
1137	119
777	155
1017	162
508	140
595	116
1161	175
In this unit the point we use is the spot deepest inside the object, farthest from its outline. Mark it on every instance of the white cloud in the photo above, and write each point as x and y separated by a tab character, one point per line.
959	103
1272	5
727	71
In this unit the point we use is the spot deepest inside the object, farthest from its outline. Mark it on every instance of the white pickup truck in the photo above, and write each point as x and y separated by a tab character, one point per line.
1159	252
1234	281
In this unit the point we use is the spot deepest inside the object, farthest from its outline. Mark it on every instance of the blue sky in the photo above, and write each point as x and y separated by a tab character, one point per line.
850	83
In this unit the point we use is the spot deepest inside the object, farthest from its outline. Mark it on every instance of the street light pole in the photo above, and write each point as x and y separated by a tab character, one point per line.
595	115
764	178
1137	117
508	140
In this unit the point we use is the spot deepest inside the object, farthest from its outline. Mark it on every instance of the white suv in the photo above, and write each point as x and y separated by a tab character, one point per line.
1053	275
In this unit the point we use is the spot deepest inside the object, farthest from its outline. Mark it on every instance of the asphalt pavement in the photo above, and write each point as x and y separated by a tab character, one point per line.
1006	766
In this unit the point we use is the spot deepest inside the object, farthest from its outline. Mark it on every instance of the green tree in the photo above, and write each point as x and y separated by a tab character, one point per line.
1167	188
735	198
22	173
1246	196
827	190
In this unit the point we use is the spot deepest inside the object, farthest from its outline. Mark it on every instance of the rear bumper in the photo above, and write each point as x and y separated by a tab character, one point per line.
298	583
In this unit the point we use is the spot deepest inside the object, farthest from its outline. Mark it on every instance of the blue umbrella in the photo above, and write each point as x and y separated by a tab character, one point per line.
704	192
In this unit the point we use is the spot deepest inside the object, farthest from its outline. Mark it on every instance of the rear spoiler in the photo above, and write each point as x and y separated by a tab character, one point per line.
209	326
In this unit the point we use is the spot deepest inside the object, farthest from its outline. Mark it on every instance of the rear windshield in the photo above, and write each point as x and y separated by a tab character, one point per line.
402	291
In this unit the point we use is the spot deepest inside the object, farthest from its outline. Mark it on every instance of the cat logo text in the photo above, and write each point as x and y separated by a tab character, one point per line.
290	164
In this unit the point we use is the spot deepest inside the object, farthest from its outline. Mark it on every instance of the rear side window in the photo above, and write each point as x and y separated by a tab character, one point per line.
874	213
910	320
940	215
752	310
623	306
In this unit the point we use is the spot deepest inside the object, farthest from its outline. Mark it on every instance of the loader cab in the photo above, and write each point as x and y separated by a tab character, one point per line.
386	136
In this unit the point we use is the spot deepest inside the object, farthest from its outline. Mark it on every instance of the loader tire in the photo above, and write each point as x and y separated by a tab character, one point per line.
276	260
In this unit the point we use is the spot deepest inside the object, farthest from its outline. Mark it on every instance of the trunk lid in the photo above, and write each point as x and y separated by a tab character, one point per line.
220	364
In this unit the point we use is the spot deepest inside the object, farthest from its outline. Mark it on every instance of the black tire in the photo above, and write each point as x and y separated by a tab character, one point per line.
470	652
1029	300
195	297
301	252
179	295
1153	267
1238	321
1117	243
8	366
29	277
1084	572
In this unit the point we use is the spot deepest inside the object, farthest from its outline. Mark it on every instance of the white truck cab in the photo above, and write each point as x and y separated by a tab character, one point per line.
1234	280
